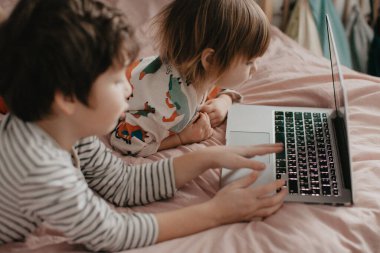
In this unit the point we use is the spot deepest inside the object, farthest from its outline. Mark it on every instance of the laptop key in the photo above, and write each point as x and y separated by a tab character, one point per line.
326	190
315	191
280	137
280	156
293	186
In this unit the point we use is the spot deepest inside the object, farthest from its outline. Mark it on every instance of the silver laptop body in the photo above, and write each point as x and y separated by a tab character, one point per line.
316	161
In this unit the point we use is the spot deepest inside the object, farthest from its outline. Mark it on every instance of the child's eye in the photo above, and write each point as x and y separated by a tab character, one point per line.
250	63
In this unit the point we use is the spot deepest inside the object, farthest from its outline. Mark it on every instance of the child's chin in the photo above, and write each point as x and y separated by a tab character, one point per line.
111	128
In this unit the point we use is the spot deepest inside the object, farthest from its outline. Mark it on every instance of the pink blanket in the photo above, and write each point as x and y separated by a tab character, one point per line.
287	75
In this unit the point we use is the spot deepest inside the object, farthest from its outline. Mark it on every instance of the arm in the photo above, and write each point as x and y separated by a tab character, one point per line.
120	183
171	141
216	211
234	203
57	194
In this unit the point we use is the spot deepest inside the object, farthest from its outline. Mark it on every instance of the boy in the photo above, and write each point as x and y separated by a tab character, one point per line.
62	69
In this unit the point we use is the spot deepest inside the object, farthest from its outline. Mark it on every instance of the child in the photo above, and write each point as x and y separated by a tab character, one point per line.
202	44
62	78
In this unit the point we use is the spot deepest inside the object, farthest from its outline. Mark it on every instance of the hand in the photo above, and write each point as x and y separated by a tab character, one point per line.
236	157
244	202
217	109
197	131
235	202
239	202
189	166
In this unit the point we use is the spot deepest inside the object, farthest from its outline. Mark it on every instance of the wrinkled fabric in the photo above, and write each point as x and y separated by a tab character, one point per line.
360	36
302	28
319	9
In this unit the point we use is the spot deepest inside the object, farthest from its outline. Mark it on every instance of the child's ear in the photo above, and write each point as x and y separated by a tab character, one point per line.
63	103
207	58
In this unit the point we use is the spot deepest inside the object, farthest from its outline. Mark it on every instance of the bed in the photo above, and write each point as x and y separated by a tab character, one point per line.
287	75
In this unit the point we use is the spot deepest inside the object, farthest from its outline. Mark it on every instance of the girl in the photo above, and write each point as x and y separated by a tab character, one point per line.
202	44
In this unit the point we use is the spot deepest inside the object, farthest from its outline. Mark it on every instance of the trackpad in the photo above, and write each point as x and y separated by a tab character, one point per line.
249	138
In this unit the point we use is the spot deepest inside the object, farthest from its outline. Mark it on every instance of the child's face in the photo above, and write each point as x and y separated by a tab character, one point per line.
107	101
237	74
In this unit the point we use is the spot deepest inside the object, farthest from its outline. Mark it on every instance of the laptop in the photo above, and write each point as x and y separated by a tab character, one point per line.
315	162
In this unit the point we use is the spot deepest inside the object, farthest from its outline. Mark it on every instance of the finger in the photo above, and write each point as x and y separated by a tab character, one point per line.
268	211
273	201
206	108
243	162
214	123
195	118
201	117
212	115
244	182
263	149
264	190
207	118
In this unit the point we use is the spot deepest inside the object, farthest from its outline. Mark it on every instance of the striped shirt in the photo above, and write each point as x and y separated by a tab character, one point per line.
39	182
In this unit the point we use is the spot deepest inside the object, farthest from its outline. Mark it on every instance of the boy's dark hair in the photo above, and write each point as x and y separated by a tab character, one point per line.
230	27
58	45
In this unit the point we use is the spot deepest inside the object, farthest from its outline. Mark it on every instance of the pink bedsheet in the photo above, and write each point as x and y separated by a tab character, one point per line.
287	75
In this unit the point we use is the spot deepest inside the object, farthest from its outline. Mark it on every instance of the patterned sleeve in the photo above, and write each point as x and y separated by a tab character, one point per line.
161	104
58	194
122	184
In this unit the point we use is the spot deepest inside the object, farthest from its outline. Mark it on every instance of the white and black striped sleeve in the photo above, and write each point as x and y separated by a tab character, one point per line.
119	183
66	203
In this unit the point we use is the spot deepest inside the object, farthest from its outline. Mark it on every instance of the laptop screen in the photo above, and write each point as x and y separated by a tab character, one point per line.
340	103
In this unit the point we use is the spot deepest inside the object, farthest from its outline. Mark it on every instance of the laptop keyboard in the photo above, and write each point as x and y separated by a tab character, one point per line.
307	158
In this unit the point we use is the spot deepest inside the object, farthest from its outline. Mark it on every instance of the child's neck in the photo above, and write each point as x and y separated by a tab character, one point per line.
59	130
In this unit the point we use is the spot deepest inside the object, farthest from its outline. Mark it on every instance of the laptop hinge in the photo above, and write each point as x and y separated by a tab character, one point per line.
341	137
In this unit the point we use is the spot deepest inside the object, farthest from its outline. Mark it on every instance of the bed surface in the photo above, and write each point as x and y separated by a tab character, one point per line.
287	75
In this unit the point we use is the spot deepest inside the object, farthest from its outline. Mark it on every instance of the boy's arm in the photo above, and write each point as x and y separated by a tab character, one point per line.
236	202
120	183
59	196
65	202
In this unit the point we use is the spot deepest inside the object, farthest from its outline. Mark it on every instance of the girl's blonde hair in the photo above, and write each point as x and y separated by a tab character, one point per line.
233	28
